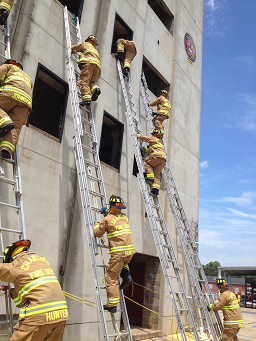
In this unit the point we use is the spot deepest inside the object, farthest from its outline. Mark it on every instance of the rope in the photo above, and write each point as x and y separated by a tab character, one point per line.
80	300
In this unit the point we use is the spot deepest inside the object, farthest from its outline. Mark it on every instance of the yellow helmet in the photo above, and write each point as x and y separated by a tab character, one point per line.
24	245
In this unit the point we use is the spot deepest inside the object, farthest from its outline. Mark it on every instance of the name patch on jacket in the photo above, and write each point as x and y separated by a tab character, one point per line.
55	315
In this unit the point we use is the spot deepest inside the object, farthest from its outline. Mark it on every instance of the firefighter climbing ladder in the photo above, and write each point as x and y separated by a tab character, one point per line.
156	219
91	183
12	167
195	270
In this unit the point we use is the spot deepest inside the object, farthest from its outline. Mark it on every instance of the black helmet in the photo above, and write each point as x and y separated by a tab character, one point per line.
221	282
92	38
164	92
157	132
9	250
116	202
13	62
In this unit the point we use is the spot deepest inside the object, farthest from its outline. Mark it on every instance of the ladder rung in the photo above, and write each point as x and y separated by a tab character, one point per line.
101	266
8	205
96	208
88	134
8	230
7	160
86	121
7	181
96	193
91	163
93	178
103	288
114	335
103	246
89	149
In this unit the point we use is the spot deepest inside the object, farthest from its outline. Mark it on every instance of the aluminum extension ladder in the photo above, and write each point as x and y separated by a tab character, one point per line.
201	292
157	222
93	195
9	200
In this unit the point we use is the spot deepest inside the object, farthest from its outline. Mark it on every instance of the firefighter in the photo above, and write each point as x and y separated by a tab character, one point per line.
37	292
121	249
155	162
163	110
228	303
15	104
5	9
126	51
90	66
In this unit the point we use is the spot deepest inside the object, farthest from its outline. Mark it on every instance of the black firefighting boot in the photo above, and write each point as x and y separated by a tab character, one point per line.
155	191
5	154
3	16
111	309
148	180
4	130
127	278
87	103
96	94
126	71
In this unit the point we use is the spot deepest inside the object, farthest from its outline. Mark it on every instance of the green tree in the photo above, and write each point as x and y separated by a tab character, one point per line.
211	269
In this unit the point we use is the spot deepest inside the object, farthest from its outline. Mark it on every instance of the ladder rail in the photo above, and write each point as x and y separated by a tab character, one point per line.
134	125
90	179
188	242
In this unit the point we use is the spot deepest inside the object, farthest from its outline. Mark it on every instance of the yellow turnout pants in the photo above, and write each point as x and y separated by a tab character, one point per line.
154	166
89	75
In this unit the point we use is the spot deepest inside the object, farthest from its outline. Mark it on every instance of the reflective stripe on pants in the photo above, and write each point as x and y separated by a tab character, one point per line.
115	266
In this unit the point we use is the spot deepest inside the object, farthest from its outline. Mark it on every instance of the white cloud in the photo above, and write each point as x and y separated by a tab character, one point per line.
241	214
247	121
247	62
247	199
204	164
216	18
211	4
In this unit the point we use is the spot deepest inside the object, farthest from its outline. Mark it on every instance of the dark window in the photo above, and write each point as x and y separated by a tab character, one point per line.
50	97
155	81
135	169
111	141
121	30
74	6
163	12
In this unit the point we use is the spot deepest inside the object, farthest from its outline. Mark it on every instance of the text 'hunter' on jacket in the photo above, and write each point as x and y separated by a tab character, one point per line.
163	106
119	234
36	289
88	54
15	84
155	146
228	303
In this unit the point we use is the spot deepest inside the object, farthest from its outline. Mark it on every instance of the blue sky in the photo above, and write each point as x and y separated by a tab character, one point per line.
227	197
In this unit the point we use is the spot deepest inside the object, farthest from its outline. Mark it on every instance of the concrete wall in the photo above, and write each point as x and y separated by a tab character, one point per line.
48	169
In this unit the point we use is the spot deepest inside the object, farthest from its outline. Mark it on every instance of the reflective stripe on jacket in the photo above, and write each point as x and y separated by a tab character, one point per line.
123	44
155	146
7	4
36	289
228	303
163	105
88	53
119	234
15	84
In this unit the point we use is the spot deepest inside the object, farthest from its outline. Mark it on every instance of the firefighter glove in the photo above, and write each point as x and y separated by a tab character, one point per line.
4	288
208	307
154	113
148	104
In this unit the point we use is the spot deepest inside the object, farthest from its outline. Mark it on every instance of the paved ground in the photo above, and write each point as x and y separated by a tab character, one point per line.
248	333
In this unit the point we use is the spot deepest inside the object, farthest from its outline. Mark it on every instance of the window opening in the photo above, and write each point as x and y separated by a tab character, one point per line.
111	141
50	97
155	81
121	30
135	169
74	6
163	13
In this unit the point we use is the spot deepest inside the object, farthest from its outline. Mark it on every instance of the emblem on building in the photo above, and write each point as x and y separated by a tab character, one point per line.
190	48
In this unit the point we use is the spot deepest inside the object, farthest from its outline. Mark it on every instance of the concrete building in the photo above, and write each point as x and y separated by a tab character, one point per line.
52	205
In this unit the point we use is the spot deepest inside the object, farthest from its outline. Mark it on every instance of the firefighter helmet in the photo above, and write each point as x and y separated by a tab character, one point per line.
164	93
157	132
25	244
116	202
221	282
92	38
13	62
